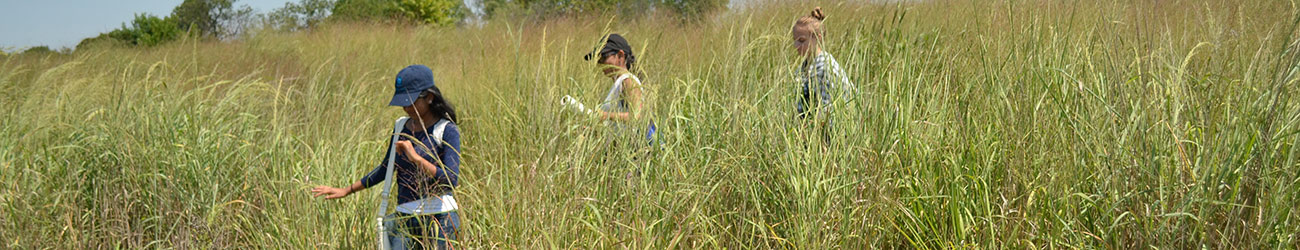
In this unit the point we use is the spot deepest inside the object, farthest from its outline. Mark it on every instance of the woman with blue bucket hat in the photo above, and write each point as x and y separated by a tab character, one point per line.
423	158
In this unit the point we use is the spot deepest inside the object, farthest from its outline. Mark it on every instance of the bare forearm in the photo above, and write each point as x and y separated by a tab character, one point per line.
335	193
356	186
429	167
617	116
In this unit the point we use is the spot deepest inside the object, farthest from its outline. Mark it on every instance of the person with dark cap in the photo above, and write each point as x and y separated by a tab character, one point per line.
426	169
625	103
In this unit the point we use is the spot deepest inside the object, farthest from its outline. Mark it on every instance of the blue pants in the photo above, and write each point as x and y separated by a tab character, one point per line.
434	231
650	134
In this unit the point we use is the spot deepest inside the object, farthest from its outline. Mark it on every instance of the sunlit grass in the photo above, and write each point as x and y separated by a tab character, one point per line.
977	124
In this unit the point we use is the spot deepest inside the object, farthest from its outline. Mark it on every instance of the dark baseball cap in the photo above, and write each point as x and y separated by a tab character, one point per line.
614	42
410	82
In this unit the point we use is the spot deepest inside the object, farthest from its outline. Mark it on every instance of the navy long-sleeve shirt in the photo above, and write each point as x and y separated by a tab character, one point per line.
413	183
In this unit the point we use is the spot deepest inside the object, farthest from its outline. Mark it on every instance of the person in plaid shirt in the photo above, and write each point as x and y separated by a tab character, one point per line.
821	77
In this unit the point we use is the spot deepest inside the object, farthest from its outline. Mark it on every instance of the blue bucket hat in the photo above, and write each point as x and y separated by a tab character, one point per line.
410	82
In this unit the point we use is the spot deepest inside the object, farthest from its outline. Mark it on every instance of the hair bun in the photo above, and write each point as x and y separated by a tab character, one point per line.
817	13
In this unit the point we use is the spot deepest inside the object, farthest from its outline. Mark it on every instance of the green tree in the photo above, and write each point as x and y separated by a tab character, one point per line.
436	12
148	30
38	50
694	10
103	40
365	10
144	30
212	18
301	15
687	10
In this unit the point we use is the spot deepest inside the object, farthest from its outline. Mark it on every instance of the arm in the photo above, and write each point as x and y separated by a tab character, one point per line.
335	193
447	168
407	150
450	171
374	177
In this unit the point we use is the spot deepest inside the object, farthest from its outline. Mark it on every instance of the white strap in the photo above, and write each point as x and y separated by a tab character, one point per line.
388	183
622	77
619	82
438	129
429	205
615	90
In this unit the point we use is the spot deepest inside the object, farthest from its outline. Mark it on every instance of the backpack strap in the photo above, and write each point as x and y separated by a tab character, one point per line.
625	76
438	130
622	77
388	183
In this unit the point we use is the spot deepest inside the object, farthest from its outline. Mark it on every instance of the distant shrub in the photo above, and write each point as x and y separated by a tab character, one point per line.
687	10
144	30
212	18
375	10
301	15
38	50
103	40
694	10
436	12
149	30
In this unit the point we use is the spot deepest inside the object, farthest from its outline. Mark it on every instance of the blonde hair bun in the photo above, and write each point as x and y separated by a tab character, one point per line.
817	13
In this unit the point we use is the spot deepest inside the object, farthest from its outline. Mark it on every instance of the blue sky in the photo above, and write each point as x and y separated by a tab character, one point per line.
63	23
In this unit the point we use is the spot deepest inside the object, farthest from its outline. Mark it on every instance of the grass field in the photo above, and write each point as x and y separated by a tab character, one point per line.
982	124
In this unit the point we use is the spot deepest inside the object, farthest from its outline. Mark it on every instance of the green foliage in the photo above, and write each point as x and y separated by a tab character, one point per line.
688	10
436	12
212	18
373	10
103	40
304	14
570	7
215	18
38	50
694	10
149	30
144	30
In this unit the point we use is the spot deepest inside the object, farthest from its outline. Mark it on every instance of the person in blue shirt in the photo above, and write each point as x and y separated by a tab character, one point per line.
427	167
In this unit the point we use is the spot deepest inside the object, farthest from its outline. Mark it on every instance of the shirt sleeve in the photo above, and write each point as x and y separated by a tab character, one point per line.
823	83
449	172
845	87
801	103
376	176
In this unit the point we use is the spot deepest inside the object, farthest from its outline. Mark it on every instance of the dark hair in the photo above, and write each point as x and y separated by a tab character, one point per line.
628	59
439	106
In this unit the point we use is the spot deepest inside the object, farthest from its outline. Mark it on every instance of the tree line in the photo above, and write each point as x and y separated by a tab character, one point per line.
227	19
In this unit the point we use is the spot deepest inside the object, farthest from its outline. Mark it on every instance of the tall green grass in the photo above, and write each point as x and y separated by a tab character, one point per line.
1062	124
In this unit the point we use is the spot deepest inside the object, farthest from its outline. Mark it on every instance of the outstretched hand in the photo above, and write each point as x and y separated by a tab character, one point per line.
573	103
329	192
